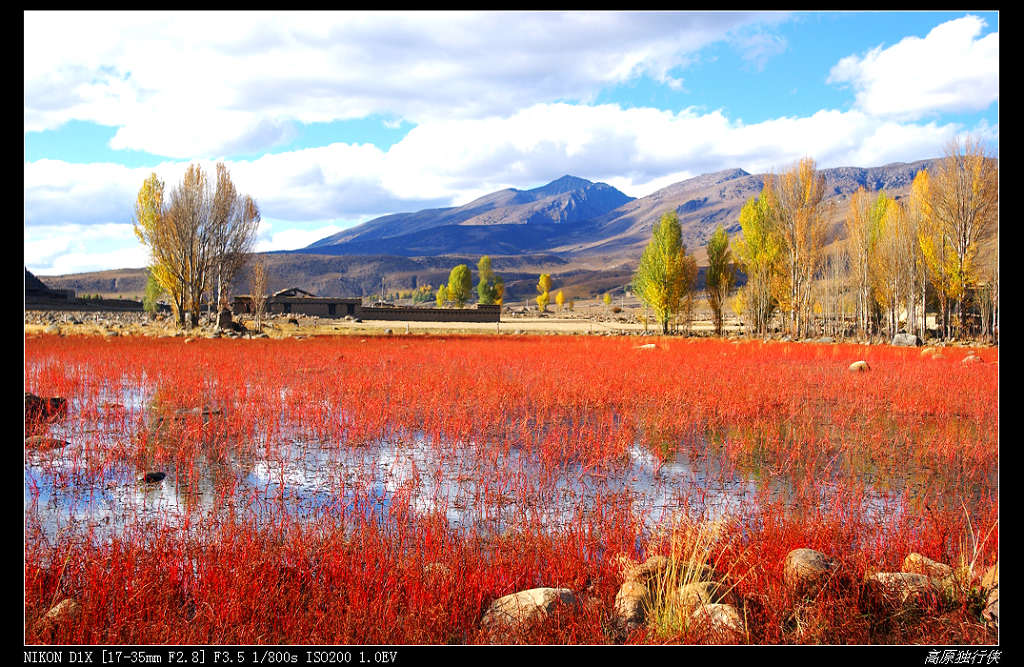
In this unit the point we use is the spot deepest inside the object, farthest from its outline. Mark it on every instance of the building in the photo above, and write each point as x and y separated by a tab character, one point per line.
300	302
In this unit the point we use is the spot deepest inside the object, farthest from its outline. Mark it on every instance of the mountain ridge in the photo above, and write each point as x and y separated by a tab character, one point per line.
599	248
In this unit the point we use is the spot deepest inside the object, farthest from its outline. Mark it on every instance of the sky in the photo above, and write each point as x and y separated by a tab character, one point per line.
331	119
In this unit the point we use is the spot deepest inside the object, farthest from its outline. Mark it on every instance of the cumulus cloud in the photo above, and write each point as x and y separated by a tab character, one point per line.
74	248
290	239
446	163
952	69
184	84
78	215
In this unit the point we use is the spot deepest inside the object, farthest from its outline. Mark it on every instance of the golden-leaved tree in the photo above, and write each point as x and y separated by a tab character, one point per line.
798	199
199	235
544	291
759	250
964	192
721	274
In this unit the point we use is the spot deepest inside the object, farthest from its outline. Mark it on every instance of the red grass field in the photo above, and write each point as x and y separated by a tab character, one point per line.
385	490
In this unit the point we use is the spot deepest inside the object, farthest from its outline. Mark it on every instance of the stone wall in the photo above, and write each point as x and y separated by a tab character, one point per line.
338	308
39	303
415	314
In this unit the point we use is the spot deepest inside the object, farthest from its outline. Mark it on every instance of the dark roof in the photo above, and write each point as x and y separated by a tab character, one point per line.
292	291
33	284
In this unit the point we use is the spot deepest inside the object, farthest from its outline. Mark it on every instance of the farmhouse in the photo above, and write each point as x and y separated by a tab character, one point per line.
300	302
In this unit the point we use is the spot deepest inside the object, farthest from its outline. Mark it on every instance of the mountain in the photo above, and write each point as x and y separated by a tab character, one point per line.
508	221
588	235
709	200
576	217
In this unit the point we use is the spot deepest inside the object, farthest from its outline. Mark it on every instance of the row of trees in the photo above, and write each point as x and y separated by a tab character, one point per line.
667	274
899	256
934	246
199	235
459	289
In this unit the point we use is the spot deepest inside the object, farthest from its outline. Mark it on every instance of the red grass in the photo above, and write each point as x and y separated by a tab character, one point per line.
515	419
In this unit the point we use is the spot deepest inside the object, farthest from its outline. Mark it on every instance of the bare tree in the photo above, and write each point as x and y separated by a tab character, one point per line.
258	292
235	219
965	203
799	202
196	235
863	225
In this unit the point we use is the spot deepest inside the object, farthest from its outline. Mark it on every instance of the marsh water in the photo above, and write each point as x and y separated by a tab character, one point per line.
91	486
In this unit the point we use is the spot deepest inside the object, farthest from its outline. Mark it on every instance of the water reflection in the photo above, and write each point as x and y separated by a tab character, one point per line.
216	474
324	482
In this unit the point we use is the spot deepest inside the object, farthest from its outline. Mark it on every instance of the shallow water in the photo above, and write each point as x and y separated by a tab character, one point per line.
82	489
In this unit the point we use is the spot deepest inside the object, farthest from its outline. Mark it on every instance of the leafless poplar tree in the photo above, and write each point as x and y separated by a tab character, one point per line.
799	201
965	203
258	292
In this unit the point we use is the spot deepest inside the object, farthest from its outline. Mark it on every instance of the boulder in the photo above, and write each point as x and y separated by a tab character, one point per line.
971	359
990	579
718	617
631	604
859	367
436	572
44	443
39	410
916	563
990	585
805	571
644	572
525	607
901	588
905	340
697	593
991	611
66	611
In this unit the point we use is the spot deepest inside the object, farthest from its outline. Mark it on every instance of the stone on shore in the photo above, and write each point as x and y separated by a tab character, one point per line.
525	607
805	571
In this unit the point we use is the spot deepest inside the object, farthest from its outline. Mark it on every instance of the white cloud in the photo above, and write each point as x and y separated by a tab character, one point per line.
74	248
759	47
448	162
952	69
193	84
78	215
289	239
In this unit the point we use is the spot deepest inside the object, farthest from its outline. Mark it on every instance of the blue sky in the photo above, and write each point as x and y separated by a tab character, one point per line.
331	119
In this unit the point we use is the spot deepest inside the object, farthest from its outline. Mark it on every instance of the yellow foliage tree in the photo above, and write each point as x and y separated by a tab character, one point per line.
543	291
965	207
797	198
759	250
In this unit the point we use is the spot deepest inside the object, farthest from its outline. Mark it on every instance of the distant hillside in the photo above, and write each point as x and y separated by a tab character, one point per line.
508	221
577	217
588	235
709	200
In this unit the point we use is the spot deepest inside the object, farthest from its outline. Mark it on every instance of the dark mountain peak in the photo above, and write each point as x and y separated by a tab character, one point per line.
566	183
729	174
